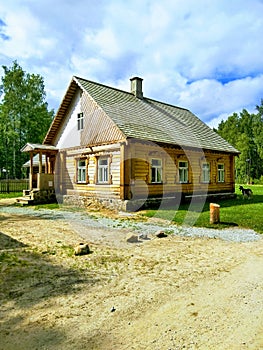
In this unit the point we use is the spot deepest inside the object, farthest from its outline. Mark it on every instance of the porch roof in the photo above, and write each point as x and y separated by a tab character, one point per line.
37	147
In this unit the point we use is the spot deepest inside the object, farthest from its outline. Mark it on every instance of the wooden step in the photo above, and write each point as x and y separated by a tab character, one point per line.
24	200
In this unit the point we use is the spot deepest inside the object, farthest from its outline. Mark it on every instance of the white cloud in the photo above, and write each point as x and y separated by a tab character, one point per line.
27	36
104	42
212	98
203	55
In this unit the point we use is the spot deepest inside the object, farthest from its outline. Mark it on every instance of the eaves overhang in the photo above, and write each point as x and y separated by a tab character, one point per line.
57	121
37	147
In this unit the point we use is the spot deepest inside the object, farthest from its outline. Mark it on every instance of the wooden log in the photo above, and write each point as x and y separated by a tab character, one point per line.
214	213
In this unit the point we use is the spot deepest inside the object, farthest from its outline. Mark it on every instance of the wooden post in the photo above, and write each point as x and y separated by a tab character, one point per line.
31	172
125	168
122	171
214	213
40	163
46	164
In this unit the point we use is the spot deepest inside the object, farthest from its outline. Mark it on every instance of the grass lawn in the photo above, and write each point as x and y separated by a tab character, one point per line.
246	213
11	195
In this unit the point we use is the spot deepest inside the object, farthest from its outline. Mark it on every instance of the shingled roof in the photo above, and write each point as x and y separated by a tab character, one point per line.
145	118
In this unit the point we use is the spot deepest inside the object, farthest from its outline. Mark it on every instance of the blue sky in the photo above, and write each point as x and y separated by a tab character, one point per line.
202	55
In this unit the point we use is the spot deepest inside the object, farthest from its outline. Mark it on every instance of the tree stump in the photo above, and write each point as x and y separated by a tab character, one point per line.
214	213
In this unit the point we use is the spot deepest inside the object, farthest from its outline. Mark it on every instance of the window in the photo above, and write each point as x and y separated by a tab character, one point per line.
103	170
156	171
81	170
183	172
80	121
220	172
206	172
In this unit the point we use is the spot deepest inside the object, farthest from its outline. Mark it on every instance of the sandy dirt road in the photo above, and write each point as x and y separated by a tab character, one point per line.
169	293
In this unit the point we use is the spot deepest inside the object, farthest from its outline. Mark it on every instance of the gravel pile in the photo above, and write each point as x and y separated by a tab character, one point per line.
85	221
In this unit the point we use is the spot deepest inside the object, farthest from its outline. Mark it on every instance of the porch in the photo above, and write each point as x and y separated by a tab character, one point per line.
41	174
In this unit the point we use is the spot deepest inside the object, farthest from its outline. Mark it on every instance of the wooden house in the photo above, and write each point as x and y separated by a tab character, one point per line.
124	150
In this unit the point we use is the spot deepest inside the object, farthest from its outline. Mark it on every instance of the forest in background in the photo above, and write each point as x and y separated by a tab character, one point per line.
244	131
24	117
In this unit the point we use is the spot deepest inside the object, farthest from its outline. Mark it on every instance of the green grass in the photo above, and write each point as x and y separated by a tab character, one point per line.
243	213
47	206
11	195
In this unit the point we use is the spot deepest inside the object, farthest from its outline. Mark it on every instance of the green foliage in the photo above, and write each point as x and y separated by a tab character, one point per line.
24	116
259	181
245	132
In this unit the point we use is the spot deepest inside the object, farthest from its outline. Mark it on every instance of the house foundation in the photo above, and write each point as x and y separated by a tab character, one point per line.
133	205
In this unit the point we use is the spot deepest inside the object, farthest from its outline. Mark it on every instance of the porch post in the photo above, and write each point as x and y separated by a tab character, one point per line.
31	171
39	177
40	162
46	165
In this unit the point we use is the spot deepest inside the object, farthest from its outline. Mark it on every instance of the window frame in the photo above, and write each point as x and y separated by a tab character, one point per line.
221	173
156	170
80	170
101	179
80	121
183	170
206	171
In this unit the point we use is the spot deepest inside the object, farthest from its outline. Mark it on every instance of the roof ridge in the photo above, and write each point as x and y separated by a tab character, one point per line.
130	93
104	85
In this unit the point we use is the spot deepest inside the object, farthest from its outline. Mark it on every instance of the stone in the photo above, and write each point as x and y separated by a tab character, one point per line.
160	234
81	249
132	238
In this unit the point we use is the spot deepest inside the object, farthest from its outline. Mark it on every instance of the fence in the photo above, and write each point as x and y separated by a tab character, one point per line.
8	185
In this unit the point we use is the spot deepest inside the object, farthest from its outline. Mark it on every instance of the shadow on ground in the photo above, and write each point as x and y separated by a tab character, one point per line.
7	242
29	277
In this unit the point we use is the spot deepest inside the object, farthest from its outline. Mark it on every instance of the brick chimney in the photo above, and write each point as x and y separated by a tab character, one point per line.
136	87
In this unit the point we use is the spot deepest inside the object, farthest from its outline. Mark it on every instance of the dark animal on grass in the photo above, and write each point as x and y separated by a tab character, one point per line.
246	192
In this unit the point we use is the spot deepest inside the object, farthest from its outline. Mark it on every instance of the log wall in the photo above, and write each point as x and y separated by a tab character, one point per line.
140	175
66	172
134	180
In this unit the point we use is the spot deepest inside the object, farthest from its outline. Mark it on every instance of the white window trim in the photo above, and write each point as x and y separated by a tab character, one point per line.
157	168
206	171
185	171
80	170
221	173
80	121
101	178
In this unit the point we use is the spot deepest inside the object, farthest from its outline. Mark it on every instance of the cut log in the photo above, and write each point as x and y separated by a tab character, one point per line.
214	213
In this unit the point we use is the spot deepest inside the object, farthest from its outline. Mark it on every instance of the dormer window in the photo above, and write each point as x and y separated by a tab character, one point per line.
80	121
